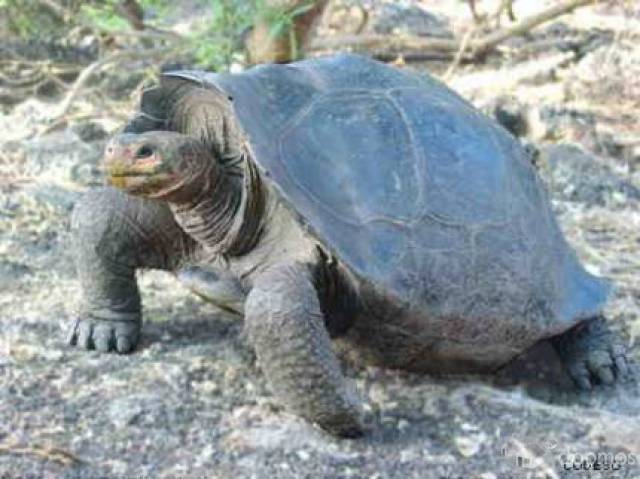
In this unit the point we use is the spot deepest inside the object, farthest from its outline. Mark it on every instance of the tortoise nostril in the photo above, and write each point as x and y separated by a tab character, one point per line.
144	151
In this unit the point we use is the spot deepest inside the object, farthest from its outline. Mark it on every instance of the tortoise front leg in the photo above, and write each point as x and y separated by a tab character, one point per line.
286	327
113	235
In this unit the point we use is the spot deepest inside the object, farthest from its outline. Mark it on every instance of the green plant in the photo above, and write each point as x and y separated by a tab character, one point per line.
281	21
214	43
29	20
218	41
104	14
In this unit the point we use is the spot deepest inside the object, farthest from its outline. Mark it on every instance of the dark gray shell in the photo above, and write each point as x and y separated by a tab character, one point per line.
413	189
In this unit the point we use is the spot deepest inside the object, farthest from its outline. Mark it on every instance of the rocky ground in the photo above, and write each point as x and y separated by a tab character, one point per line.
191	403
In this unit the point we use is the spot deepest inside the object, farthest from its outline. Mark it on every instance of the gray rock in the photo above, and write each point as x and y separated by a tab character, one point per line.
60	157
410	18
509	112
575	175
89	131
11	272
55	196
553	122
142	410
124	412
608	73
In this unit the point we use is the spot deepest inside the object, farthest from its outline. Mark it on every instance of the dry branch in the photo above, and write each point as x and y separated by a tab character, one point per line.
529	23
96	67
55	454
381	44
500	81
464	45
57	10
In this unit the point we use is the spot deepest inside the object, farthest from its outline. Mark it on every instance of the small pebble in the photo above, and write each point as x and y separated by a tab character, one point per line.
468	446
303	455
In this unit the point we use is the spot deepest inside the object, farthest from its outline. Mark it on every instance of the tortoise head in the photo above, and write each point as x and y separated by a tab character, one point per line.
156	164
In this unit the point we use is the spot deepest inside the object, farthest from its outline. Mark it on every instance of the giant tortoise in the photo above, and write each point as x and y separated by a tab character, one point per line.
341	199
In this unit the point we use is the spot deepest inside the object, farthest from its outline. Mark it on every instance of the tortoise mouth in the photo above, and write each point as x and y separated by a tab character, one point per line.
140	182
137	175
129	174
122	167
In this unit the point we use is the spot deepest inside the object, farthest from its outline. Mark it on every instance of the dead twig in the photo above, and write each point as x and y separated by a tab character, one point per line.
380	44
528	23
49	453
96	67
60	12
396	43
29	79
82	79
474	12
504	6
410	57
461	51
149	32
499	81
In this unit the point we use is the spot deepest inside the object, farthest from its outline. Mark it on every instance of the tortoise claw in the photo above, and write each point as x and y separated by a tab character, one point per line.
620	361
593	355
124	344
104	335
581	377
72	334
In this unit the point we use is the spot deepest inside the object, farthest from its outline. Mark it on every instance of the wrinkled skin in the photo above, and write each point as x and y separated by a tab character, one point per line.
284	319
181	200
115	234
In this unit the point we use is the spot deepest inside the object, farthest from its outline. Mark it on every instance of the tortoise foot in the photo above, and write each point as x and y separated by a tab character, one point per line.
593	355
105	335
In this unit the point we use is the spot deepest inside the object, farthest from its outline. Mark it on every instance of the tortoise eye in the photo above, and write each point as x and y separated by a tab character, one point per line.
144	151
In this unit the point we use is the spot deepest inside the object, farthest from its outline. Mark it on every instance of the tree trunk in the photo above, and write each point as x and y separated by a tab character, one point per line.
266	44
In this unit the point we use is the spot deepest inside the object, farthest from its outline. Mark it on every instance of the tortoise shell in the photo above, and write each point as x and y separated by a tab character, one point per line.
414	190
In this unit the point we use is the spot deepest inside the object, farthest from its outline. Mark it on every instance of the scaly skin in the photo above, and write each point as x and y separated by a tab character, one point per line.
113	235
286	327
592	354
284	317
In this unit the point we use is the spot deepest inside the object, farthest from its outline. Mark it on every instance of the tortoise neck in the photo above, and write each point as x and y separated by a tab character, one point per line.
225	212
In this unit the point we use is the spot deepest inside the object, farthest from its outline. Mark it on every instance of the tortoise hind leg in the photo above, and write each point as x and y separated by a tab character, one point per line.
286	327
113	235
592	354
